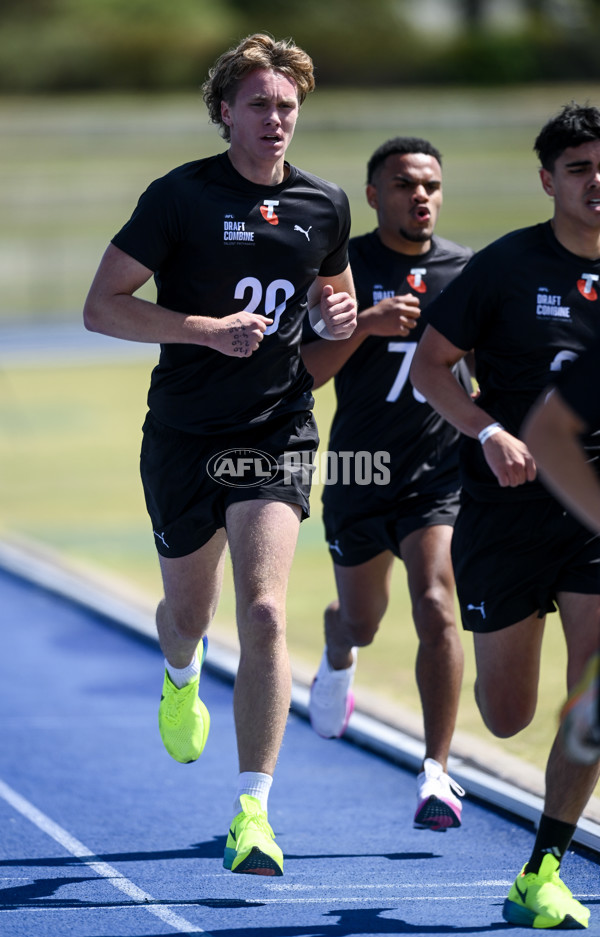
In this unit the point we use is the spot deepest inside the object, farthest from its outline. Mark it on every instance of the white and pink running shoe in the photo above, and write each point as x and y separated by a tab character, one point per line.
331	700
438	808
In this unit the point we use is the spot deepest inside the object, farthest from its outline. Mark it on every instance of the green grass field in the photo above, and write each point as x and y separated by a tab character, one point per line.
69	435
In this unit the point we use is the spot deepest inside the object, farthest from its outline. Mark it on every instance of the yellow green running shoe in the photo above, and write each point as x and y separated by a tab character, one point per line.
183	719
251	845
541	899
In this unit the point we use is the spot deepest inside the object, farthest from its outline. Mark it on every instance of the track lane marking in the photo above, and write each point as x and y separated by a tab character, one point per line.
103	869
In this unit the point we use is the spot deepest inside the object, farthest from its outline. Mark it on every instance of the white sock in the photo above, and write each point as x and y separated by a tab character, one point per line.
181	676
255	784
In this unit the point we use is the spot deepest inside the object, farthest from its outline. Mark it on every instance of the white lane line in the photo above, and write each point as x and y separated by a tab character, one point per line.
345	899
103	869
357	886
392	899
376	899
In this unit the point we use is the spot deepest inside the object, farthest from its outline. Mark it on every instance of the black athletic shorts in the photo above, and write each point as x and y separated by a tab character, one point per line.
190	480
356	539
511	559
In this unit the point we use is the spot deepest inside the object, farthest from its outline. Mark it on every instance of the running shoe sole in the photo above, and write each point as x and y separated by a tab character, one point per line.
434	814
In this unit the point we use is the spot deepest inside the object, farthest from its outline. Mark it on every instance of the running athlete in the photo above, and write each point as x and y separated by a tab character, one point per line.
553	433
553	436
527	305
230	399
407	508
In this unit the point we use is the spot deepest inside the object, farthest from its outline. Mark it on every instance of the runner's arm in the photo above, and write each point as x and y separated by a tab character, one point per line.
337	301
431	374
552	432
112	309
393	316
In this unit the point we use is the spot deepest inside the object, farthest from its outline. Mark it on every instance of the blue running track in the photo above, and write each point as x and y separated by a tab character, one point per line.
103	835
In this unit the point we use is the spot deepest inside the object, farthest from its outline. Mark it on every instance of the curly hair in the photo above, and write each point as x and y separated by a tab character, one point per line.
257	51
573	125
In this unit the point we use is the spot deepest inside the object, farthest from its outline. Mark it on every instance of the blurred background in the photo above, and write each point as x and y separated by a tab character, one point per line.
148	45
99	97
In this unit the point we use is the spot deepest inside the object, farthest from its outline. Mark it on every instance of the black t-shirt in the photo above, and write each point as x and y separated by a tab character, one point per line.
377	408
528	307
219	244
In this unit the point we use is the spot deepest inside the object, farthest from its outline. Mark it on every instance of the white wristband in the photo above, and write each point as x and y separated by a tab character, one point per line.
488	431
319	326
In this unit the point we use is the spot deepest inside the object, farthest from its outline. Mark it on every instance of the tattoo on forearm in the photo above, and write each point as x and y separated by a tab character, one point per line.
239	341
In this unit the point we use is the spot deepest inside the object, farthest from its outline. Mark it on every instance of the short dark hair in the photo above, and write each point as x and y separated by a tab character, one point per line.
573	125
400	145
257	51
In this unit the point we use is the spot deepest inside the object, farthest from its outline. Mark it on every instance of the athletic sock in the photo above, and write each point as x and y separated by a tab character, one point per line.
255	784
553	836
181	676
